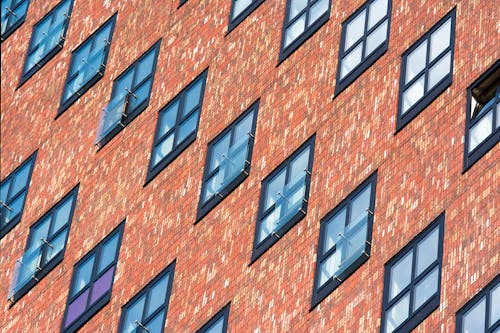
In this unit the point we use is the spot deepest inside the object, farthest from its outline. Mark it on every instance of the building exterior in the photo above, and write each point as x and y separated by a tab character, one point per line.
250	166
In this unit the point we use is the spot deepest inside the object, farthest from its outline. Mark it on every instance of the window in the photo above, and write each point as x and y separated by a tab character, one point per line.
92	282
182	2
87	65
483	115
45	246
129	97
482	313
365	37
13	191
412	280
13	15
228	160
426	70
302	19
283	198
345	239
218	324
147	311
240	9
177	125
47	38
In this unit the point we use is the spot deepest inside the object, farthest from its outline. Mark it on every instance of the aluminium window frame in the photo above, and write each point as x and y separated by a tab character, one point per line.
222	313
10	30
233	23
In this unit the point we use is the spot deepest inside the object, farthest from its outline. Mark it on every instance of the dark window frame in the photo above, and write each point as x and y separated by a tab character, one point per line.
431	304
366	62
56	260
64	104
181	3
223	313
27	74
259	248
475	300
205	207
233	23
429	95
125	120
92	310
321	292
487	144
14	222
170	270
308	32
154	170
10	30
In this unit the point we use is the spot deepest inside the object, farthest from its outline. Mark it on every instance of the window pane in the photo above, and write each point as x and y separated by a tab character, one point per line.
219	148
480	131
57	246
317	10
378	9
243	127
329	267
299	165
296	6
192	97
400	275
397	314
495	305
439	70
102	285
134	312
145	67
413	94
163	149
427	251
4	189
426	288
415	62
167	118
376	38
188	127
142	94
61	218
294	30
76	308
156	325
212	186
270	223
216	327
123	84
273	187
21	179
157	295
351	60
474	319
240	6
108	253
39	232
83	274
16	206
334	227
359	206
355	30
440	39
41	29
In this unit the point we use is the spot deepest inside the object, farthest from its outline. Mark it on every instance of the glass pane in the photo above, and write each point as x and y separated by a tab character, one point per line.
397	314
273	187
376	38
156	324
212	186
296	6
354	243
216	327
76	308
426	288
142	94
145	67
39	232
234	164
400	275
243	127
79	57
317	10
359	206
192	97
351	60
57	246
295	30
474	319
240	6
495	305
41	30
188	127
355	30
83	274
440	39
439	70
269	223
123	84
134	312
378	10
4	189
157	295
415	62
163	149
20	179
102	285
498	115
299	165
167	118
16	207
329	267
61	218
334	227
413	94
108	253
219	148
480	131
427	251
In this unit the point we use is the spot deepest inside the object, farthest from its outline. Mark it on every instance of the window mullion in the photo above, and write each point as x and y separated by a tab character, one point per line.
413	279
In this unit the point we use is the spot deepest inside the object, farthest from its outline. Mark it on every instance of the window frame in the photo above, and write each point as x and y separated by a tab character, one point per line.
14	222
233	23
259	248
154	170
430	95
308	32
27	74
320	292
57	259
170	270
487	144
65	104
366	62
223	313
141	107
205	207
10	30
415	318
92	310
485	292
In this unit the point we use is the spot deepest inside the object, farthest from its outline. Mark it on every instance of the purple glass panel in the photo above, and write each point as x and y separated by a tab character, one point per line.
102	285
76	308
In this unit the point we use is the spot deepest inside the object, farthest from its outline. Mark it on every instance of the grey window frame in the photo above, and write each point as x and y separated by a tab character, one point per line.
223	313
234	22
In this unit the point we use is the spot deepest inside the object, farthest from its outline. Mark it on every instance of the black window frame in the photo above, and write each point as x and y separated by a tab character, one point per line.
259	248
57	259
320	292
64	104
233	23
170	270
92	310
429	95
205	207
27	74
487	144
308	32
485	292
154	170
10	30
223	313
431	304
4	230
366	62
181	2
129	117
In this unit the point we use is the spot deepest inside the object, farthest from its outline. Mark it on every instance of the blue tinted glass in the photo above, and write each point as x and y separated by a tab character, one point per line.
145	67
167	118
156	324
61	218
39	232
192	97
187	127
20	179
134	313
108	253
157	295
4	189
216	327
83	274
